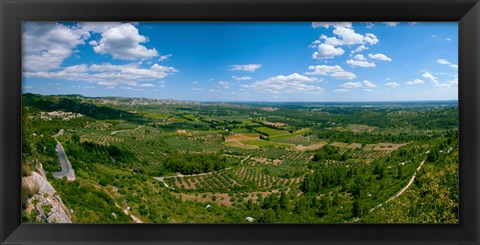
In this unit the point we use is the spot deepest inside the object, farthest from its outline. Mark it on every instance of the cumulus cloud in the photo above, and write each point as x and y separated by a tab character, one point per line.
448	84
446	62
351	85
369	84
107	74
443	62
244	78
379	57
124	42
430	77
336	72
293	83
343	34
249	67
98	27
47	44
392	84
354	63
359	49
327	51
415	82
359	57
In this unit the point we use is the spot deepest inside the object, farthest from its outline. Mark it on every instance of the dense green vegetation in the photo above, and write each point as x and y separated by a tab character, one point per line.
275	162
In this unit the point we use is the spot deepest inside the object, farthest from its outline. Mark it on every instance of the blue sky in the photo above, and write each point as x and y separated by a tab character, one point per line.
244	61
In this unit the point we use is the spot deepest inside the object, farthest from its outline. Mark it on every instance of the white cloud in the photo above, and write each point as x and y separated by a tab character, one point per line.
223	84
164	57
328	24
369	84
443	62
341	90
244	78
215	90
146	85
343	34
430	77
108	74
415	82
360	49
327	51
336	72
110	84
392	84
293	83
347	36
197	89
360	63
98	27
446	62
448	84
370	39
391	24
369	24
379	57
249	67
195	82
351	85
359	57
124	42
47	44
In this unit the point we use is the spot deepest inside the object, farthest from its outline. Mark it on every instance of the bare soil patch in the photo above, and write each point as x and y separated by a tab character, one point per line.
239	137
359	128
354	146
311	147
339	144
276	124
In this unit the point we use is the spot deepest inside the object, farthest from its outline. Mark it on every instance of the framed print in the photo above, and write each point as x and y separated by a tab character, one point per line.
239	122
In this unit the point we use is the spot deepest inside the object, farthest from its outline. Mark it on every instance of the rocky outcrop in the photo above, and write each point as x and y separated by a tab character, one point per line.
44	202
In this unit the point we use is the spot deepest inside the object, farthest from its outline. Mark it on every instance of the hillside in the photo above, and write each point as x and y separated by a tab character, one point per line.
169	161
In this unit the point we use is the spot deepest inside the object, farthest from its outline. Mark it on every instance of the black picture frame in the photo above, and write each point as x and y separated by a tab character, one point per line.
13	12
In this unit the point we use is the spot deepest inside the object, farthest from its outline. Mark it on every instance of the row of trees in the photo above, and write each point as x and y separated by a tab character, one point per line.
195	163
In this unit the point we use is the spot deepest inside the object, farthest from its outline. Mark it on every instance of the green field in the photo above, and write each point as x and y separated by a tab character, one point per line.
319	163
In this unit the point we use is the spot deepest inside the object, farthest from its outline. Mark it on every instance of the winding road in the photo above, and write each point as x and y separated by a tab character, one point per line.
410	182
65	165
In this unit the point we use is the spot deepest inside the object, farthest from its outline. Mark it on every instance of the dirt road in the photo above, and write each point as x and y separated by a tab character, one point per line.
410	182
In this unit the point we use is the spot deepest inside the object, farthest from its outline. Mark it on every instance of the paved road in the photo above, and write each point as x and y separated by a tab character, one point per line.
66	166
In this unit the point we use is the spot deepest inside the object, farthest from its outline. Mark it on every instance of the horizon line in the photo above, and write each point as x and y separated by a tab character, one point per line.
235	101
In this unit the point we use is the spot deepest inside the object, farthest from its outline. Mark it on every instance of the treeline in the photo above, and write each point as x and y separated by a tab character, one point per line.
329	152
370	138
195	163
68	104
